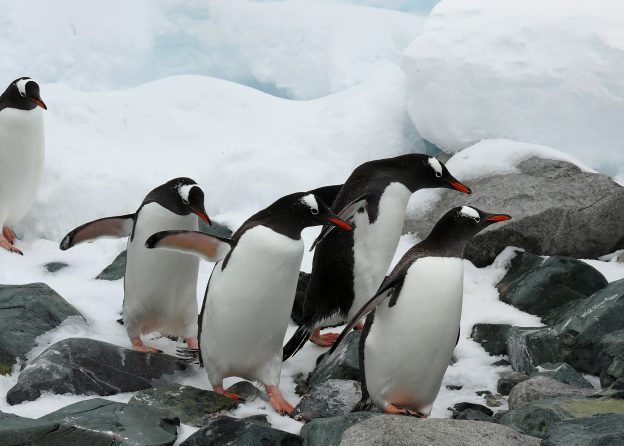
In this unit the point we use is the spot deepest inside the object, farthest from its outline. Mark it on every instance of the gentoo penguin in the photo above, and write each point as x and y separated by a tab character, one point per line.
21	154
160	288
250	293
348	269
413	325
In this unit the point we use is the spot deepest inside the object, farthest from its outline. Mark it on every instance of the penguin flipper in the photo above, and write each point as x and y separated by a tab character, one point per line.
208	247
109	227
346	213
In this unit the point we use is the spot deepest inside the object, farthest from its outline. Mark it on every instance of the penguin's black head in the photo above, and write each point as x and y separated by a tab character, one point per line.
181	196
418	171
435	174
312	211
463	222
23	94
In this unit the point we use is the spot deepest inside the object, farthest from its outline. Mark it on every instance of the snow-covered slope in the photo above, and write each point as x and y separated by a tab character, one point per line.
545	72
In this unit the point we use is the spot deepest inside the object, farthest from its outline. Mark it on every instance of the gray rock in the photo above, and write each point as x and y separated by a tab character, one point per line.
508	380
53	267
577	339
548	287
494	400
542	387
501	363
599	430
408	431
95	422
190	404
246	390
459	408
454	387
344	363
492	337
251	431
473	415
328	431
537	417
562	372
328	399
84	366
611	357
28	311
557	210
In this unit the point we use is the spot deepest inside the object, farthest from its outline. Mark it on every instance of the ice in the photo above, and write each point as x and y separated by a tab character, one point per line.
533	71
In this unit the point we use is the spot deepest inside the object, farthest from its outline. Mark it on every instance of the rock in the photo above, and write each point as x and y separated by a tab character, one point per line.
246	390
328	399
599	430
27	311
215	228
557	210
454	387
251	431
483	392
297	311
537	417
473	415
501	363
95	422
611	358
190	404
547	288
508	380
542	387
492	337
342	364
53	267
562	372
462	407
328	431
115	270
577	339
408	431
494	400
85	366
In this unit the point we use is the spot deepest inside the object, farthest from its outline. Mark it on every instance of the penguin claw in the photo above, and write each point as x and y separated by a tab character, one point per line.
277	401
5	244
8	234
323	340
392	409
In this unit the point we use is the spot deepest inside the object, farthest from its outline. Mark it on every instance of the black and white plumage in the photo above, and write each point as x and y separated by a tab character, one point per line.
348	269
160	288
250	293
413	319
22	150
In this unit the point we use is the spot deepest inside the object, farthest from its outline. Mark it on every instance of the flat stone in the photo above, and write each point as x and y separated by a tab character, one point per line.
562	372
246	390
344	363
83	366
462	407
599	430
328	431
492	337
328	399
53	267
473	415
543	387
508	380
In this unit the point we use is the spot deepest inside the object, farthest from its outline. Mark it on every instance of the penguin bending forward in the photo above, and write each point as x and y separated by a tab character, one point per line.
250	293
160	288
349	268
22	148
413	320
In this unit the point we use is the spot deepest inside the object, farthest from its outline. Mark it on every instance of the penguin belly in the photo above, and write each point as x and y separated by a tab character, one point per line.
160	288
22	151
374	244
410	345
247	307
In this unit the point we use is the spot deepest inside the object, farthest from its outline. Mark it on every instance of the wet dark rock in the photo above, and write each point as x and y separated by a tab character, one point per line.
251	431
598	430
83	366
508	380
342	364
562	372
483	392
492	337
501	363
462	407
473	415
53	267
541	387
190	404
246	390
454	387
28	311
328	431
328	399
611	357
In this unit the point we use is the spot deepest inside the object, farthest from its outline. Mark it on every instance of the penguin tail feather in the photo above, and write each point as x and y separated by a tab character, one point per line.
297	341
189	355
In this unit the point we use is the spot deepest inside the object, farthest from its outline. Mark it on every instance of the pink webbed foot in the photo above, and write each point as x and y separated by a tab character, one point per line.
392	409
5	244
137	345
8	234
219	389
277	400
192	343
323	340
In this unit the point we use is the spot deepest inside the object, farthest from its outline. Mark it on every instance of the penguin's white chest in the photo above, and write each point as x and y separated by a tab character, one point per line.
374	244
160	286
22	151
410	345
248	305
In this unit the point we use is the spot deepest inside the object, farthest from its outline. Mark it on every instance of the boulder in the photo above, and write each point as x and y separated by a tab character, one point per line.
328	399
85	366
328	431
251	431
458	408
611	357
508	380
542	387
344	363
408	431
190	404
95	422
53	267
536	418
492	337
28	311
557	209
548	287
599	430
562	372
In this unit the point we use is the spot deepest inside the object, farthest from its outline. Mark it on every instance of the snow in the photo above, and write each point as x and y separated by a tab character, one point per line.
528	70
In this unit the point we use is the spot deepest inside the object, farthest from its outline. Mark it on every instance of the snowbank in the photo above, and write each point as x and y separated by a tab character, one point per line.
528	70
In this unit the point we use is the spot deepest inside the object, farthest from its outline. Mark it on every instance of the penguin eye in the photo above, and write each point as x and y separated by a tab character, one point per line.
314	211
185	201
477	219
438	174
22	94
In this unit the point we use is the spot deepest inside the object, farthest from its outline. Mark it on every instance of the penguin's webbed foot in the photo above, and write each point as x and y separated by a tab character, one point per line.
277	401
392	409
323	340
8	234
138	346
219	389
5	244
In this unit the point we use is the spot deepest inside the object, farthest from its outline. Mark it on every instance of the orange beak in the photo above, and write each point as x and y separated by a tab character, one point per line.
340	223
460	187
40	103
201	214
499	217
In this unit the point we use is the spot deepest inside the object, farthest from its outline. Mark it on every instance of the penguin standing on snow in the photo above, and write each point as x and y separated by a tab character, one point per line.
21	154
160	288
349	268
250	293
413	325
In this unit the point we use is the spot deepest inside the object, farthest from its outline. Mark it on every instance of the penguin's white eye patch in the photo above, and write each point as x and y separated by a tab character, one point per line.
310	201
314	211
467	211
436	166
184	192
21	86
